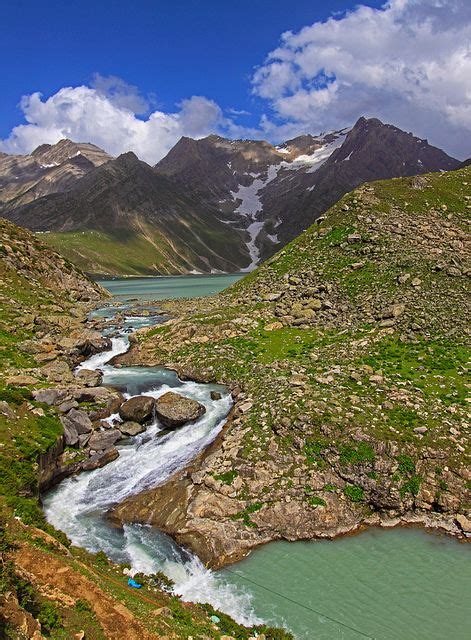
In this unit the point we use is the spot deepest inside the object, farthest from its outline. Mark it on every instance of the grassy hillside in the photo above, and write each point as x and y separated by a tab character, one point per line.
49	589
350	351
146	251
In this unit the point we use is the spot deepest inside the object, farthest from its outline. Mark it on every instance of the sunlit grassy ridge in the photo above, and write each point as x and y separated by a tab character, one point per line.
359	328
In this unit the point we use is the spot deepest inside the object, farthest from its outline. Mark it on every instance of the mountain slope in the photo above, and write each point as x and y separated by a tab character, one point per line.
276	192
347	353
48	169
123	218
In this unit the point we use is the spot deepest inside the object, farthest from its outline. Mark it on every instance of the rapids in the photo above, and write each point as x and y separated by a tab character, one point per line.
78	505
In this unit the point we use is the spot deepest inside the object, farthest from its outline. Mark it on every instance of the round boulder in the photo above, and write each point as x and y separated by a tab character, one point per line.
174	410
138	409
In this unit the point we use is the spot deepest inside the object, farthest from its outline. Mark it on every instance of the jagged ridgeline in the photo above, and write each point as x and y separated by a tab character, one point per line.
210	205
348	353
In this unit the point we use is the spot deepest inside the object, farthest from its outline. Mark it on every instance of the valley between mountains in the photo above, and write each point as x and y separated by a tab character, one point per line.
211	205
345	356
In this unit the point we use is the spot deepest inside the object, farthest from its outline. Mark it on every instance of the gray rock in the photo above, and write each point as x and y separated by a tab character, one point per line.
57	371
50	396
174	410
101	440
67	405
70	433
139	409
89	377
215	395
79	420
99	459
131	428
6	410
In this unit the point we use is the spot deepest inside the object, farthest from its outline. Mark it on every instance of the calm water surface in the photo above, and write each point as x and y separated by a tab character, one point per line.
401	584
160	288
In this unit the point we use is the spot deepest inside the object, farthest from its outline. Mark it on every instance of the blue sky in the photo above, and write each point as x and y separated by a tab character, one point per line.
168	48
171	51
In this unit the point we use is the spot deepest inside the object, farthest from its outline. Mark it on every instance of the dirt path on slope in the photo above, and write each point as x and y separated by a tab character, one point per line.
116	620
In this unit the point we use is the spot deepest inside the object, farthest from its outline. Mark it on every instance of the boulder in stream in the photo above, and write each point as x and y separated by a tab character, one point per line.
174	410
138	409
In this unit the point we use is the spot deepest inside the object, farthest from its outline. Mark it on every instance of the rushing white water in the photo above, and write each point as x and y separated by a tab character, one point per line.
79	504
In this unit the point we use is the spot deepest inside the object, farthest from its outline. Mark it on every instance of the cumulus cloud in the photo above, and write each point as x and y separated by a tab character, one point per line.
408	63
107	115
120	93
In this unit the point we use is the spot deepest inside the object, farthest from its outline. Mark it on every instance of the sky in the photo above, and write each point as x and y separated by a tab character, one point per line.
139	75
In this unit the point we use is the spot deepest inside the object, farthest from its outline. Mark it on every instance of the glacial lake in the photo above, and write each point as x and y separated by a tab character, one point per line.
164	287
399	584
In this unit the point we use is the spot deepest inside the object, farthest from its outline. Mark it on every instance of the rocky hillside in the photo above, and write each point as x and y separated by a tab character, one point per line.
277	192
210	205
124	218
347	355
48	169
48	588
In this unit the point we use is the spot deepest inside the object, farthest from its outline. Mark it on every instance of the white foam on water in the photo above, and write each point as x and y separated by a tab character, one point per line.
78	505
118	346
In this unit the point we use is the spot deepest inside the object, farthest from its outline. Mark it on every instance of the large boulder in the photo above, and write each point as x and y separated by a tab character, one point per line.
174	410
138	409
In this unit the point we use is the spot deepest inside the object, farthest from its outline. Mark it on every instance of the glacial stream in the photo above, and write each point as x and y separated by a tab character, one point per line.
402	584
77	506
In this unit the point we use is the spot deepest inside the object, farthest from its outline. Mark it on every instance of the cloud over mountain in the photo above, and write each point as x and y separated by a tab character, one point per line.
408	63
107	115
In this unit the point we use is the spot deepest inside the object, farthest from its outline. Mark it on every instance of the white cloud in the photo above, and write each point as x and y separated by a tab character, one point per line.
106	115
408	63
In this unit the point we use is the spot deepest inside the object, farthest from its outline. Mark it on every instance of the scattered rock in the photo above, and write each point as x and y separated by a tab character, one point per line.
215	395
99	459
57	371
50	396
101	440
89	377
21	380
75	423
6	410
131	428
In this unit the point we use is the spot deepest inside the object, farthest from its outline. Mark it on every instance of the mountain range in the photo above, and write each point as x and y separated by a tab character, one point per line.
210	205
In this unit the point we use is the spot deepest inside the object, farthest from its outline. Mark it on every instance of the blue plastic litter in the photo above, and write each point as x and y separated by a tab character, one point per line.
133	583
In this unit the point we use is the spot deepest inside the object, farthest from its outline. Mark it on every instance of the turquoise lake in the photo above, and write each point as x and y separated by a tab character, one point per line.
161	288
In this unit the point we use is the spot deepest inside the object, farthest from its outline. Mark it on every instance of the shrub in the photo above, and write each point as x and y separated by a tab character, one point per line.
354	493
